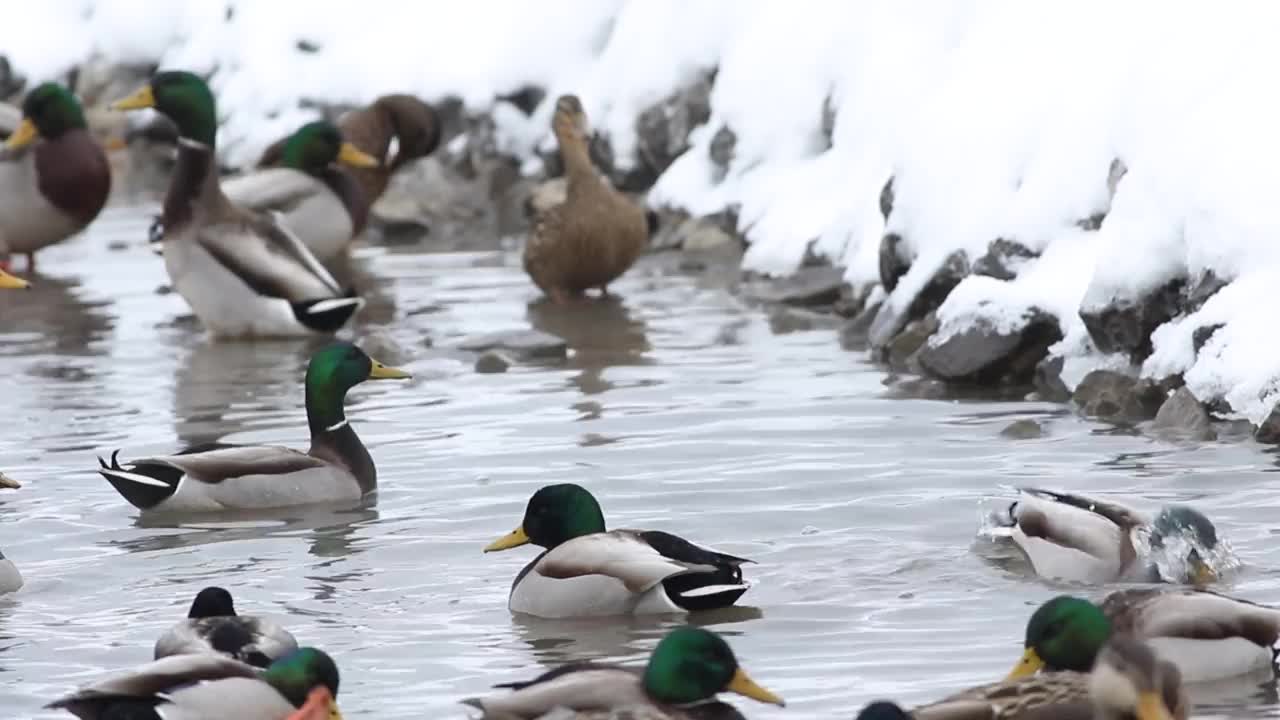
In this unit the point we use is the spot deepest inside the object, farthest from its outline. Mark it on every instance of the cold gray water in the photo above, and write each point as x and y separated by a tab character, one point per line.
678	408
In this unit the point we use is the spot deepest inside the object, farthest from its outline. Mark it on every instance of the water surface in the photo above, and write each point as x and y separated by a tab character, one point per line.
678	408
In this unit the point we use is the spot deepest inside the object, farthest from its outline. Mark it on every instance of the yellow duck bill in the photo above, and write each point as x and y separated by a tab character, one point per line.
515	538
353	156
745	686
142	98
23	136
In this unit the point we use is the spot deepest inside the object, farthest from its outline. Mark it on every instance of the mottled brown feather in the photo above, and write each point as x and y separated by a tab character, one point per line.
1192	614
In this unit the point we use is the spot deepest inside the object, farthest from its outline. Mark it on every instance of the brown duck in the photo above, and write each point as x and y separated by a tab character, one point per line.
596	234
56	188
327	215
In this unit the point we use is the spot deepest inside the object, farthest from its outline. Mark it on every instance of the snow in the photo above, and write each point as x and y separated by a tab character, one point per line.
997	119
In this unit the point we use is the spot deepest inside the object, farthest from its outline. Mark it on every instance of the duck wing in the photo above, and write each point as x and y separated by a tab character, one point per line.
1192	614
640	559
152	679
1073	538
270	259
249	639
1058	696
578	686
279	189
1121	515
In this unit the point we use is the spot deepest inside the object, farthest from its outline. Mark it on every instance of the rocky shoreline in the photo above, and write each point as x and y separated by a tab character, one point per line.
472	195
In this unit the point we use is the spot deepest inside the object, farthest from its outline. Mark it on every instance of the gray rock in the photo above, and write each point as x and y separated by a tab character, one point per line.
982	354
1127	326
662	131
1003	260
808	287
893	263
721	151
1201	335
886	198
1112	395
492	361
523	344
1047	380
892	317
11	82
1183	417
526	98
904	350
853	335
1268	431
785	320
828	122
1024	429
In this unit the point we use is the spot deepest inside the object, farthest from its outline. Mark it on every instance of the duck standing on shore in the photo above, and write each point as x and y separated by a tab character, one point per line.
243	273
596	234
53	190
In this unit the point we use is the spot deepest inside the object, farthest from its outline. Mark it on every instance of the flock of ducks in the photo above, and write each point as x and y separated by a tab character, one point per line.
248	254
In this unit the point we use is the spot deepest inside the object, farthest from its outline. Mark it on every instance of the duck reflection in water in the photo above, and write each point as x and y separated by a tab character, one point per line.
601	333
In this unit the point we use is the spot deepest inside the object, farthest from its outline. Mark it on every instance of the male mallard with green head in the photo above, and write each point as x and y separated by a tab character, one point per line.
58	187
212	626
1080	539
242	272
1207	635
317	200
588	571
688	668
1128	682
411	123
596	234
209	686
210	478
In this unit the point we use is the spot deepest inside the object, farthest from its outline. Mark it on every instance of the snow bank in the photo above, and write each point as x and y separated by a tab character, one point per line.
997	119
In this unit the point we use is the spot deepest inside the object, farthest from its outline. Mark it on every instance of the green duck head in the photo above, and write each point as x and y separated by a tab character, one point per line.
184	98
555	514
333	371
295	675
48	111
692	664
317	145
1065	633
1197	530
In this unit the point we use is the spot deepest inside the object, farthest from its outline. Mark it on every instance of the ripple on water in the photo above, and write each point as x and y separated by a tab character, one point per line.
859	508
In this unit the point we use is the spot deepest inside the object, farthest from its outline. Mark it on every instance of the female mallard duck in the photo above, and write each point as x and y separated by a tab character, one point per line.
597	233
1128	681
587	571
59	187
688	666
319	220
212	626
1079	539
243	273
321	204
220	476
1207	635
209	686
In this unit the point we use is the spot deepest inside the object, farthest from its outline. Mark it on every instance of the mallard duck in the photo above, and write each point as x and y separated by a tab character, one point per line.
57	188
320	203
415	127
209	686
588	571
1128	681
10	578
221	476
1079	539
242	272
212	626
597	233
9	282
688	666
1207	635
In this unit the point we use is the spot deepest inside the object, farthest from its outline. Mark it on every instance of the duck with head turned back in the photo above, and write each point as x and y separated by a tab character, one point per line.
1208	636
316	198
211	478
212	626
58	187
242	272
209	686
596	234
686	670
1128	682
588	571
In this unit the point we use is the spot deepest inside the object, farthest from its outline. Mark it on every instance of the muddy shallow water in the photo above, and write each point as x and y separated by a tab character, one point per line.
678	408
